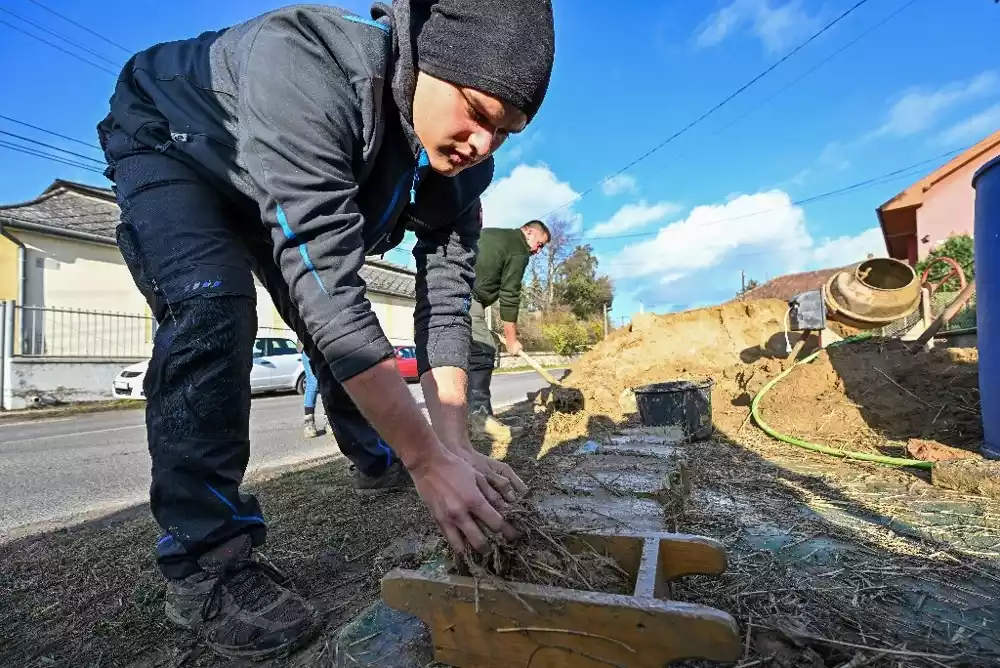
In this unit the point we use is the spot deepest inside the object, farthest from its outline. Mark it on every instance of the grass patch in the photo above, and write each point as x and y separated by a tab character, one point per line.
72	409
92	596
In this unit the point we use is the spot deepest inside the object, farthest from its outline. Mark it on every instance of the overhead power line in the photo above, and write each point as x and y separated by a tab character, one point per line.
50	132
83	27
54	148
817	66
48	156
857	5
807	73
57	47
60	36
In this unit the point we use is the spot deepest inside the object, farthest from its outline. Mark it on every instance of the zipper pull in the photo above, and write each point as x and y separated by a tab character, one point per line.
423	160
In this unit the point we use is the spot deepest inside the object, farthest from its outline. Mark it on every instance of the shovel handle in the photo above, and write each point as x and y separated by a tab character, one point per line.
533	364
538	367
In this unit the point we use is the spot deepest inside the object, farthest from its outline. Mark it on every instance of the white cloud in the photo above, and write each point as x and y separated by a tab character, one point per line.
777	25
917	110
634	216
766	221
848	249
972	129
698	260
834	157
530	191
618	184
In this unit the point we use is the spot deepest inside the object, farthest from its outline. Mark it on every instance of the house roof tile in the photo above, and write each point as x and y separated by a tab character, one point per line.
786	287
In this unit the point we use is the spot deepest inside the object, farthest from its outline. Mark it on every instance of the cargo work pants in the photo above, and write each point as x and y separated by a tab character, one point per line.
193	251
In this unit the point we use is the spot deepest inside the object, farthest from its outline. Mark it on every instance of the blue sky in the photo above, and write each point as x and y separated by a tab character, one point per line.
675	230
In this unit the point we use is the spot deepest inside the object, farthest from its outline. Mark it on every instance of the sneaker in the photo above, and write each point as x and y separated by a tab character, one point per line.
309	427
239	606
395	478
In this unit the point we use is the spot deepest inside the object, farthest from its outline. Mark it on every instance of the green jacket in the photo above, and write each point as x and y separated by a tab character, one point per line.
503	256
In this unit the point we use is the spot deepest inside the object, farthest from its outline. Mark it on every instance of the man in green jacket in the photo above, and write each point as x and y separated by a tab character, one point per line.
503	256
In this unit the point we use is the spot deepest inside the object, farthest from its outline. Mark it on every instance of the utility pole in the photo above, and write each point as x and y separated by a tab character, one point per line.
743	283
605	320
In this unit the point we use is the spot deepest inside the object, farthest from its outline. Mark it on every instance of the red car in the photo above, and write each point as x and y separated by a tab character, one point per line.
406	360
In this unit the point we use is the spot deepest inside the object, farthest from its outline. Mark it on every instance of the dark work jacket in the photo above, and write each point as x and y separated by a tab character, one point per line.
293	111
503	256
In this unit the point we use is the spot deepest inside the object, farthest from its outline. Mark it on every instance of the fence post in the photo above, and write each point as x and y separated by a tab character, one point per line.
6	354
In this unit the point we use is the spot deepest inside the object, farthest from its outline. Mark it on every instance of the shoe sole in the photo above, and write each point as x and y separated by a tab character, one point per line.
278	652
300	641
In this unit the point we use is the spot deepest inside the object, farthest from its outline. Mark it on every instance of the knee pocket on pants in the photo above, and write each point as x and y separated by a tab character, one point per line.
204	369
131	252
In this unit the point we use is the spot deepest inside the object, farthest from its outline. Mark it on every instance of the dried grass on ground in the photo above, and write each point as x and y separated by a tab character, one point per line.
543	555
91	596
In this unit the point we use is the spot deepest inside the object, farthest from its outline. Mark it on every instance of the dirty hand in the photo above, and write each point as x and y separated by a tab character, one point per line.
500	476
458	496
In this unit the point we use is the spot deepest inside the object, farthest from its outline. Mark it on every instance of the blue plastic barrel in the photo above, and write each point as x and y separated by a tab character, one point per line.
987	244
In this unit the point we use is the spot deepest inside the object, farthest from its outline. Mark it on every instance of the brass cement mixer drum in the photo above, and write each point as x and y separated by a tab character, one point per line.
872	294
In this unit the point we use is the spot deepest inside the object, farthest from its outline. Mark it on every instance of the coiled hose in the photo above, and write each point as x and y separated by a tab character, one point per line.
816	447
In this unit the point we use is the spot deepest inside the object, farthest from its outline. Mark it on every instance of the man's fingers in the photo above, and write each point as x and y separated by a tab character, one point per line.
489	516
503	486
488	486
474	536
454	537
506	471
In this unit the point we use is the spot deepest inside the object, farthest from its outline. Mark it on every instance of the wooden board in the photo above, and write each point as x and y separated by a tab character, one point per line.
478	625
517	625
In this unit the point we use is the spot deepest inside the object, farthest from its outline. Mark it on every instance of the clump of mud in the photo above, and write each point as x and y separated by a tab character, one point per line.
545	554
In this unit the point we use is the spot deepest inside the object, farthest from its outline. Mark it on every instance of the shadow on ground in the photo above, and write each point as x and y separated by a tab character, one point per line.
828	559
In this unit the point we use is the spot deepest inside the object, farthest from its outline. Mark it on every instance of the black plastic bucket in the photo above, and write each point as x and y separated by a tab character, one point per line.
679	403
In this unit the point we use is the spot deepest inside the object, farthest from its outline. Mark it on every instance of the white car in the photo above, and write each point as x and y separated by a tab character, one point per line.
277	367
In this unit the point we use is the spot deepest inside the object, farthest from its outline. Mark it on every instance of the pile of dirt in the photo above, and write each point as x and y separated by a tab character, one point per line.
545	554
881	395
873	395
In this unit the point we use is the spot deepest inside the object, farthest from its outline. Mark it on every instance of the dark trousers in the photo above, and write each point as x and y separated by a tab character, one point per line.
193	251
482	360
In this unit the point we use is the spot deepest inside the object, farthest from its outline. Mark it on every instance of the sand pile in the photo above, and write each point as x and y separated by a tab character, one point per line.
871	396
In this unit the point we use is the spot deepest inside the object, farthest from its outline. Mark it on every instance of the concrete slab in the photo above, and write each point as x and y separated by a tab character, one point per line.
382	637
639	449
601	512
620	475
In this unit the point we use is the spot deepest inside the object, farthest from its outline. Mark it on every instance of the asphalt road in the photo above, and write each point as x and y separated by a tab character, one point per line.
58	471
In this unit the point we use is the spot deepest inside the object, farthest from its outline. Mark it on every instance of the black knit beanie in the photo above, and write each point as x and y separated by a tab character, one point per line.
501	47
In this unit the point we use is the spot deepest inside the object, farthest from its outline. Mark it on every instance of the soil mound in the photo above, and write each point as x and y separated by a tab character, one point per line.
872	395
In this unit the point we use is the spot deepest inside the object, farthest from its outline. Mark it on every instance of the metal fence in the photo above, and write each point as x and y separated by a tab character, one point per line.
964	319
65	332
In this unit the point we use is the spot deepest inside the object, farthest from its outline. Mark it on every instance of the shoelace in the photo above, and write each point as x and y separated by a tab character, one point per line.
212	605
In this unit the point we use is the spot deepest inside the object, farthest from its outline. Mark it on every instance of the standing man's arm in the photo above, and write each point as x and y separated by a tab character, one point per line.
443	330
510	300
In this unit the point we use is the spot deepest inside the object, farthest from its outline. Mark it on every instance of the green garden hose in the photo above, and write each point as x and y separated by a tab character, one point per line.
815	447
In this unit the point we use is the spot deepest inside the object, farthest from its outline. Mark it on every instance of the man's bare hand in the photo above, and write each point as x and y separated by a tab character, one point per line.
514	347
458	496
500	476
